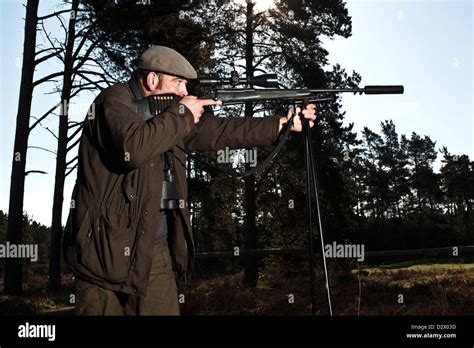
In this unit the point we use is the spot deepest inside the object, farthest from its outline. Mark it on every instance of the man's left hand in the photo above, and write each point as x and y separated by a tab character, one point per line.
309	113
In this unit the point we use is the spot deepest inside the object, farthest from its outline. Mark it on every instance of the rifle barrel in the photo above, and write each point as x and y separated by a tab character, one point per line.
240	95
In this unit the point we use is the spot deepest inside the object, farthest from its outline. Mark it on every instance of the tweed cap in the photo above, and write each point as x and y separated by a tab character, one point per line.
166	60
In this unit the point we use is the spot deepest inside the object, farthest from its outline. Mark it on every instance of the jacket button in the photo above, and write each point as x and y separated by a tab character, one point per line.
146	212
152	164
143	231
132	196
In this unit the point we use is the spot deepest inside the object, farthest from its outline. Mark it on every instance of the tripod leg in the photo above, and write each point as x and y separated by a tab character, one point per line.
310	158
310	224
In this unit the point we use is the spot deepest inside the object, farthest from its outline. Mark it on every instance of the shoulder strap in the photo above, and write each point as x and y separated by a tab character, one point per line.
141	104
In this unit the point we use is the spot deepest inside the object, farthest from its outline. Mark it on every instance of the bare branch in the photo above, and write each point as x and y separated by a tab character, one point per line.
66	32
89	81
47	78
86	27
53	14
54	135
86	55
70	170
94	82
46	57
45	50
47	35
68	163
74	134
264	56
74	124
35	171
83	41
98	83
264	44
55	90
41	148
43	117
76	92
103	69
82	85
78	140
101	74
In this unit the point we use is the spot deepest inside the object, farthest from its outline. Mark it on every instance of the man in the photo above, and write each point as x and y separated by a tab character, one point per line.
123	247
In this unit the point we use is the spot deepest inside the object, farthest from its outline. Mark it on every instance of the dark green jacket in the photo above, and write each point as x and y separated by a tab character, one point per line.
115	204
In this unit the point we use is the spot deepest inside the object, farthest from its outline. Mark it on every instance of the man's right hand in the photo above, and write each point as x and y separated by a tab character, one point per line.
197	105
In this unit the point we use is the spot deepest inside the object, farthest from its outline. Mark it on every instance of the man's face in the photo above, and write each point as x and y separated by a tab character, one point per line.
163	84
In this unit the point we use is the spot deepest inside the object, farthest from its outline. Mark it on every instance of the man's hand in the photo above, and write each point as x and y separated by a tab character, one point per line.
197	105
309	113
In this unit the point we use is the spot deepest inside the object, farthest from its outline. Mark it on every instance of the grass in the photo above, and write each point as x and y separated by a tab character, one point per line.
36	299
407	277
431	287
409	287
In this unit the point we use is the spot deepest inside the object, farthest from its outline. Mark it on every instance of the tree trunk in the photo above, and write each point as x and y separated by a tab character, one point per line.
420	207
56	224
397	206
251	265
13	266
431	202
467	216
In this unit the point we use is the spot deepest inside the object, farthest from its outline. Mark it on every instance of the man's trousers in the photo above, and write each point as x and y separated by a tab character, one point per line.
161	296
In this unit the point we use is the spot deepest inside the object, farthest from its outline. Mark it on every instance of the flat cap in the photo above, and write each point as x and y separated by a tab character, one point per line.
166	60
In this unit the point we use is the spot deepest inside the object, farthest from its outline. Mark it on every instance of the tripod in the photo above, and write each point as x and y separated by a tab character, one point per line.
312	195
311	184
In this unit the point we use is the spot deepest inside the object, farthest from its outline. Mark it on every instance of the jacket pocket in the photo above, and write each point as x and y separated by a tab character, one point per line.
84	231
108	250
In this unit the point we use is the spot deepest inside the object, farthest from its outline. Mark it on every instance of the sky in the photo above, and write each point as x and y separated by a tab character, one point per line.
427	46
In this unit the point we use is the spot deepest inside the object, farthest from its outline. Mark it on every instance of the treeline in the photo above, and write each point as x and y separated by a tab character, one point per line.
382	190
34	233
401	202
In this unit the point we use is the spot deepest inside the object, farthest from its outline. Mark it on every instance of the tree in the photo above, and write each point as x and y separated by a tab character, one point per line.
458	183
383	172
81	72
56	226
124	29
374	179
393	162
421	156
13	266
76	78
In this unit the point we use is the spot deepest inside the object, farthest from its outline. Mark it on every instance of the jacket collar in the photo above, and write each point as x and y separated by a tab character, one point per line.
135	88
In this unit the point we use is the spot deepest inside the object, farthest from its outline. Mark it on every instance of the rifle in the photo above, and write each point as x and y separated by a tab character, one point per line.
269	92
